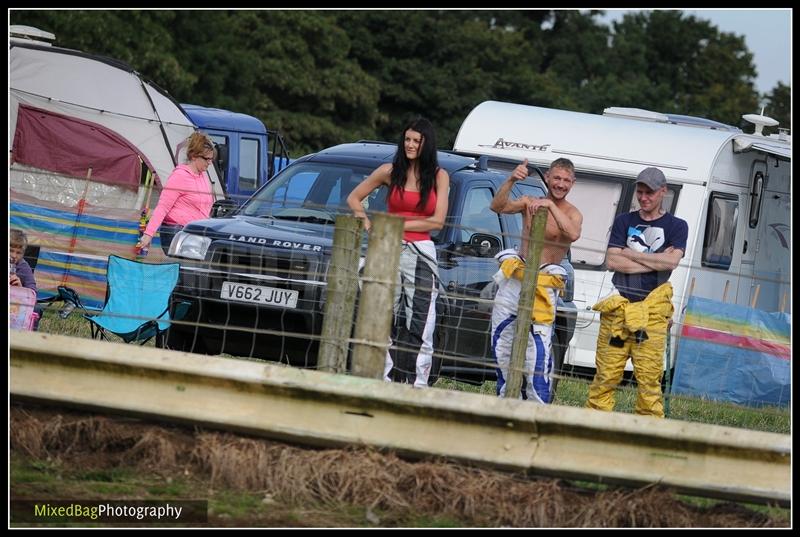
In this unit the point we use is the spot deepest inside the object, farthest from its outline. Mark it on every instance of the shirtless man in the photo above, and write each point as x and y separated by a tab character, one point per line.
564	219
563	228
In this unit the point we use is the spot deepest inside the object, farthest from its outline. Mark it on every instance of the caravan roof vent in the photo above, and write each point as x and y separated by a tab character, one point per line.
29	34
635	113
693	121
783	135
760	121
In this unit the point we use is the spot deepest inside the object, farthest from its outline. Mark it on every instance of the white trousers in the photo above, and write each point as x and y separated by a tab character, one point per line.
538	367
414	301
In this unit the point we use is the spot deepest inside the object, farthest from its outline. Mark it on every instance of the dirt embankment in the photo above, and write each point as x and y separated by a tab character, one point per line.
365	479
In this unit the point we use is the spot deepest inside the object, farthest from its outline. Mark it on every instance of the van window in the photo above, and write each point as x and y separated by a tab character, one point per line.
527	190
248	164
222	151
476	216
218	139
723	213
530	190
597	201
440	234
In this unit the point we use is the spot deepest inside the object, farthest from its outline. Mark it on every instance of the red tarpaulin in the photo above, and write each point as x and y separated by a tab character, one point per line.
62	144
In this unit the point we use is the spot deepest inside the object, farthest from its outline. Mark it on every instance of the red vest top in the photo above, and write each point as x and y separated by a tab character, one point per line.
404	203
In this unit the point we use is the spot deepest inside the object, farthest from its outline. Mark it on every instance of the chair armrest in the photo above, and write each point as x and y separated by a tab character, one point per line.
69	295
179	310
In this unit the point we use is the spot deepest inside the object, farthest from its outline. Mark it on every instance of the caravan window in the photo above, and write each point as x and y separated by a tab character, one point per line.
755	199
720	236
597	200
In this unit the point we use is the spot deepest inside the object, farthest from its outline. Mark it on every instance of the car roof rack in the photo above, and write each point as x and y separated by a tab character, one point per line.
484	162
381	142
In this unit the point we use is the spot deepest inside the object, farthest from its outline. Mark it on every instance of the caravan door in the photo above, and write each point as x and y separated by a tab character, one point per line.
768	221
750	205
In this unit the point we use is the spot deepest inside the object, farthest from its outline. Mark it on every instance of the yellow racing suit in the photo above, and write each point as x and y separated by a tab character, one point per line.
638	330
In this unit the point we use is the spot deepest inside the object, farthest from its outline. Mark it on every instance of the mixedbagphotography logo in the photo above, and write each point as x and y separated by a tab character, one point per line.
110	511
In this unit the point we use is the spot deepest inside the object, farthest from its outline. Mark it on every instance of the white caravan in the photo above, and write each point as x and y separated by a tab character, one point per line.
732	188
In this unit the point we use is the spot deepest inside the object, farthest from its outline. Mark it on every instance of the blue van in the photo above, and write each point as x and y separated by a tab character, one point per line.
248	154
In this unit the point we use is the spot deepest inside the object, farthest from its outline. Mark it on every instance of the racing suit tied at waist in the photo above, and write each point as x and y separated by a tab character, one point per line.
625	317
543	311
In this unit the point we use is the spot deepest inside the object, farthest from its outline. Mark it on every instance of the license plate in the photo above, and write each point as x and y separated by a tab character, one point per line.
257	294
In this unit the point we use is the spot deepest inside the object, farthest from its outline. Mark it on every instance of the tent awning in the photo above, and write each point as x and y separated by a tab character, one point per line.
71	146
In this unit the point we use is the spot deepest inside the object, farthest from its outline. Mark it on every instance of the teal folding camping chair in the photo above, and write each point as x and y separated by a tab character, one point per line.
137	306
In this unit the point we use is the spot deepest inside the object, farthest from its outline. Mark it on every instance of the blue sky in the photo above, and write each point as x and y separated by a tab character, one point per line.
767	33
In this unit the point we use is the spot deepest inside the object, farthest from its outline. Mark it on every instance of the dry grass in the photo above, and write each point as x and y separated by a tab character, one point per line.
367	478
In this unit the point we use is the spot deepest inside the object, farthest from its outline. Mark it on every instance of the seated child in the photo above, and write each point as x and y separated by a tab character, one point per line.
20	273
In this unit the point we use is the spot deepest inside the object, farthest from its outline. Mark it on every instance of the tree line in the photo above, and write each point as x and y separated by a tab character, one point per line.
328	77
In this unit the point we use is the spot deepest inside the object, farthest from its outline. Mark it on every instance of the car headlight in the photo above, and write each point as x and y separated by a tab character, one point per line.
189	246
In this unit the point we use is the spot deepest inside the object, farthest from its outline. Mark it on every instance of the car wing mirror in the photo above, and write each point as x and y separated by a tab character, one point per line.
223	207
483	245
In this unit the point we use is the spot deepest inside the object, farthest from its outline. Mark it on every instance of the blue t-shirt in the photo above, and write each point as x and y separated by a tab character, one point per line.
654	236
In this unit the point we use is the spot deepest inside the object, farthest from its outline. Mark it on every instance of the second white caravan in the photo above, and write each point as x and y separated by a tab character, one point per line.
733	189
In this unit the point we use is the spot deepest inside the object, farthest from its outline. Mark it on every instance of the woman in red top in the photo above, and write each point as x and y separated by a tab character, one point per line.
418	191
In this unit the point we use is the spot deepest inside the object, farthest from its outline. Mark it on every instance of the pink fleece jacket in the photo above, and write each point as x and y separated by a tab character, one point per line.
186	197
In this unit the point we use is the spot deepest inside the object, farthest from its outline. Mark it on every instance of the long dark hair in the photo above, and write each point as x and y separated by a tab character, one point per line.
428	163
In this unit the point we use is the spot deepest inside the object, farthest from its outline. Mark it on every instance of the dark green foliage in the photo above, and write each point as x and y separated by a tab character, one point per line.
777	105
328	77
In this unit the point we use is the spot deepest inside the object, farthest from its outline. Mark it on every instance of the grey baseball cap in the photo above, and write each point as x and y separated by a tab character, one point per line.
652	177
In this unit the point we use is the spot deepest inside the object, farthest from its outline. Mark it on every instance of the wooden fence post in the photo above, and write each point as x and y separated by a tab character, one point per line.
525	307
340	299
374	321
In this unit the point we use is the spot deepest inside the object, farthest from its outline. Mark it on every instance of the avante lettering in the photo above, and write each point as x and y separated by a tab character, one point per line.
502	144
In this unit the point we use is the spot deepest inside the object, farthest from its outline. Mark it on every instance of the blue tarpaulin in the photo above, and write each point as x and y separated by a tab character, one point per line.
734	353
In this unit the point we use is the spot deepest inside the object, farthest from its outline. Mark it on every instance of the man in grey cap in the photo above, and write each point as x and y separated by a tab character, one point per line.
644	248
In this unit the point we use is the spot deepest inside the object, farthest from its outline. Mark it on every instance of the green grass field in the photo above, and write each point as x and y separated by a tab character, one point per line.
574	392
571	391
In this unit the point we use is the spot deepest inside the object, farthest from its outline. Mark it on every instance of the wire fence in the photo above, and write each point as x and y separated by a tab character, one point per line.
269	299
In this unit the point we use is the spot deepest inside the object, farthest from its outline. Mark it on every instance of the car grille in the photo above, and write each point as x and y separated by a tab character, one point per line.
275	262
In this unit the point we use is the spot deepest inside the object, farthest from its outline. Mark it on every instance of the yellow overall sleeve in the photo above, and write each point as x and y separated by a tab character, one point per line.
544	309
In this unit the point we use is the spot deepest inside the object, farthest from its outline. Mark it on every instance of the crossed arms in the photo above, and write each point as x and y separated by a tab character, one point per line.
630	261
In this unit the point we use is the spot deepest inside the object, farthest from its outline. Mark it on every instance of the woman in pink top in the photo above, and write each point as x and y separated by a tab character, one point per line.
418	191
187	194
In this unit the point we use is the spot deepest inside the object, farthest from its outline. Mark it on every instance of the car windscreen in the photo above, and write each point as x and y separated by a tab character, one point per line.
313	190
